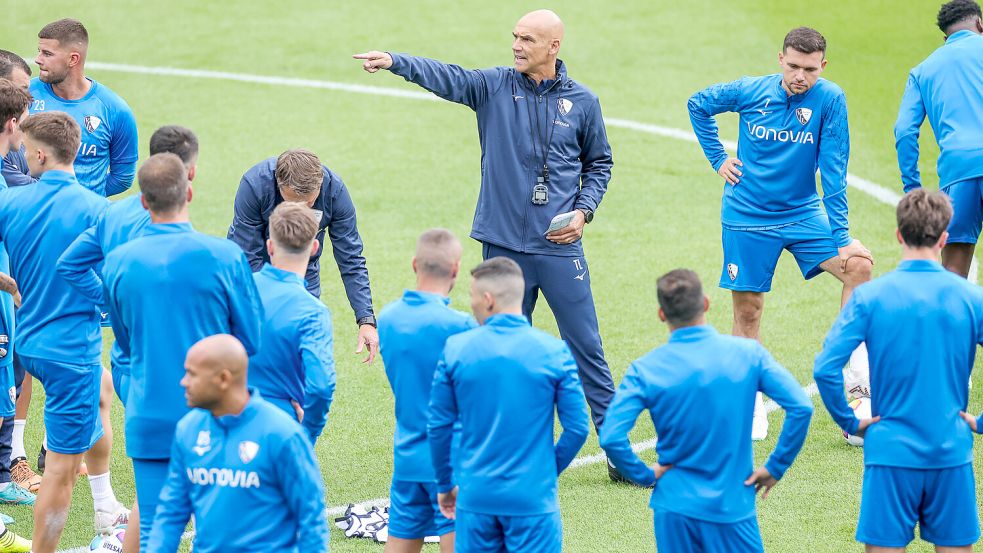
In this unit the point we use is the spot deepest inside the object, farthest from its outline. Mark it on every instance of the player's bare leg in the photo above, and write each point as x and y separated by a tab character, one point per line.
958	258
400	545
447	543
748	307
131	539
20	471
108	510
54	500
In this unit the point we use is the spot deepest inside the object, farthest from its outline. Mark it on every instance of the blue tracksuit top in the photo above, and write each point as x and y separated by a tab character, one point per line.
37	224
14	168
412	334
783	141
120	223
168	289
717	376
946	87
107	157
294	360
251	481
921	324
503	381
259	194
7	324
516	121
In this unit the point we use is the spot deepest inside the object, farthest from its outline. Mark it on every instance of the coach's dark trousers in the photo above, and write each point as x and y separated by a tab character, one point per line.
565	283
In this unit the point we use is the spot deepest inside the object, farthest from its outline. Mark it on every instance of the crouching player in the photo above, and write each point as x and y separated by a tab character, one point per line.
503	381
706	485
241	466
293	367
918	460
412	334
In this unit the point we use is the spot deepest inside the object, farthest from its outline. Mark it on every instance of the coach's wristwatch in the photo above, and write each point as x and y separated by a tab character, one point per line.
588	214
366	320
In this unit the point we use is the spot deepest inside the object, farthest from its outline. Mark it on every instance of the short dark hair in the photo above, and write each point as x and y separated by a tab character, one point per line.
957	11
13	101
293	227
680	296
163	181
65	31
805	40
502	278
175	139
922	217
10	61
58	131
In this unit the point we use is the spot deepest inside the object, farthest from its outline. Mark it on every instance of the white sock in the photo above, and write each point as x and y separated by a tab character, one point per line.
44	441
17	442
857	373
103	498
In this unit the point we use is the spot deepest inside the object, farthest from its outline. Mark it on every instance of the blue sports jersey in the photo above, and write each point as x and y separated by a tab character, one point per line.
107	157
503	381
251	481
120	223
783	141
946	87
294	360
14	169
717	376
412	334
168	289
7	330
37	224
921	324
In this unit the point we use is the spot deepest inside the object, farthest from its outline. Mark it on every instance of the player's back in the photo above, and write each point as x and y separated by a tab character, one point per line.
168	289
701	387
506	377
949	82
924	324
37	224
412	333
123	221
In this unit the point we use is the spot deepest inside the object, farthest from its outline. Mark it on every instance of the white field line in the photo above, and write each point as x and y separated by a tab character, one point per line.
877	191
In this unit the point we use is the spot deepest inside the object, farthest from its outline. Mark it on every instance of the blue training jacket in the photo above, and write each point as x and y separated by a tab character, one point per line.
294	360
259	194
107	157
922	325
8	331
412	334
503	381
251	481
783	141
15	170
37	224
699	389
168	289
516	123
81	263
946	87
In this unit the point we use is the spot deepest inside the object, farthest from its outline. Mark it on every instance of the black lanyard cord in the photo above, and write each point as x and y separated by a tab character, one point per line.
548	140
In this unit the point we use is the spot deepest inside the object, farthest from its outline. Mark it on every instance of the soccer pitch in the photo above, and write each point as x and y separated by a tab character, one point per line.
255	78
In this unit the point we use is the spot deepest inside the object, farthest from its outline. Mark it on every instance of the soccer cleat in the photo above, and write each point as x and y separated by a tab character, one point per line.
861	410
615	475
107	521
12	543
23	476
16	495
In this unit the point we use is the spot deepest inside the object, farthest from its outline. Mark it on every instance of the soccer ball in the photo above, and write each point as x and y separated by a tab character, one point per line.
861	410
113	543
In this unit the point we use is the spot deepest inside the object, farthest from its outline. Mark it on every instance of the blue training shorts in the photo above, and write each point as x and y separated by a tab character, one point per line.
476	532
967	210
675	533
414	513
8	390
941	501
71	408
751	255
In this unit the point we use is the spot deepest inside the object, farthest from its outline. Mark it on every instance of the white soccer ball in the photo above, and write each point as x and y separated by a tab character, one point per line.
861	410
113	543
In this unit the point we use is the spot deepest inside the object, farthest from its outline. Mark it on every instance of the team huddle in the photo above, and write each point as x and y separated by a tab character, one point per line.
223	352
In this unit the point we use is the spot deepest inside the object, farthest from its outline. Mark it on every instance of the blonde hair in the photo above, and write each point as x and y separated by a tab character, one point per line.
299	170
293	227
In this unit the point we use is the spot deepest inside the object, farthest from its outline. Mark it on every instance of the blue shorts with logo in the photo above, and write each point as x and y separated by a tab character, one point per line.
682	534
942	502
751	255
476	532
8	390
71	408
414	513
967	210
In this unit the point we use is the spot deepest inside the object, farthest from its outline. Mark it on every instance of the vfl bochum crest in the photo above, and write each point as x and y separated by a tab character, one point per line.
803	114
732	271
91	122
564	106
248	451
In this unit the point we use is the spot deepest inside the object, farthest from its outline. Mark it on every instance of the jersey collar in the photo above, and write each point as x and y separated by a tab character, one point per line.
920	265
248	412
279	274
692	333
507	320
959	35
416	297
167	228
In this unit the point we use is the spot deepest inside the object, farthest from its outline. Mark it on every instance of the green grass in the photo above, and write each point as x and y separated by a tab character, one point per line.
411	165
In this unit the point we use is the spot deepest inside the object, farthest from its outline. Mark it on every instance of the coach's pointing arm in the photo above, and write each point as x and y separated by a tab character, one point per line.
450	82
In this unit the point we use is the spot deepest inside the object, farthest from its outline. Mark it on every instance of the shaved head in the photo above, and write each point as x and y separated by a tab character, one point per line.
215	367
497	286
438	253
544	22
220	352
536	43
